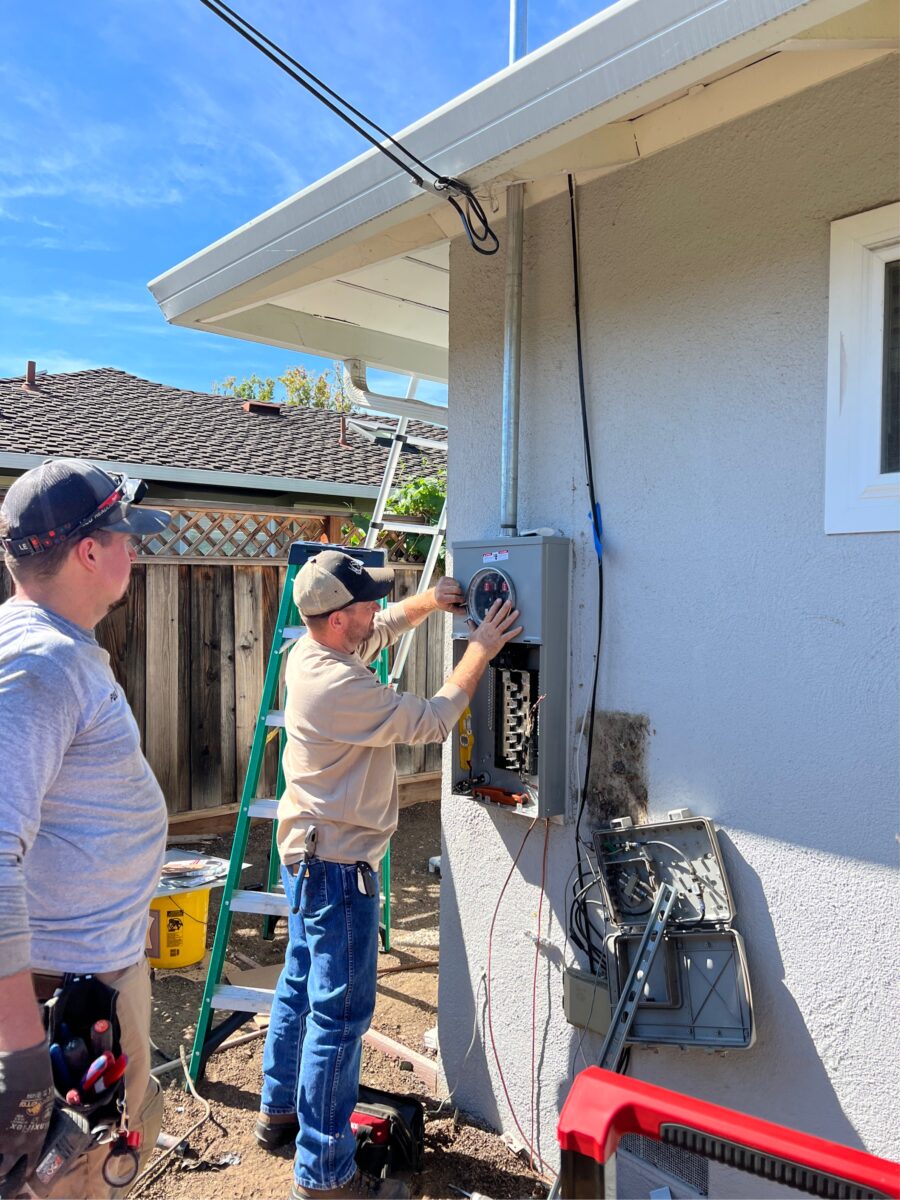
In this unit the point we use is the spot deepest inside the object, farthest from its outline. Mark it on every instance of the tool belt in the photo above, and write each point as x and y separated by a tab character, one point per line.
88	1081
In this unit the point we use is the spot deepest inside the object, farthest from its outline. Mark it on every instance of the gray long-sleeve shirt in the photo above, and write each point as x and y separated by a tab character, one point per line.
82	818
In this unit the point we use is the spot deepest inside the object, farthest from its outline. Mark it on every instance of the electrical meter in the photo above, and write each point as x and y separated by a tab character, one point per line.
485	588
511	744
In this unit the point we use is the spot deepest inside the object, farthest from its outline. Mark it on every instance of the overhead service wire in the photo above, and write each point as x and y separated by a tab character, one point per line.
582	932
471	212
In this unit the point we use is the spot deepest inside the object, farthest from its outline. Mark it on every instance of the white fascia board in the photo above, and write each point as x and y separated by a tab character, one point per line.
631	55
219	479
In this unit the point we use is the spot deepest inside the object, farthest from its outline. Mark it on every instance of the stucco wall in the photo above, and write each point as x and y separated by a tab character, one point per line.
762	650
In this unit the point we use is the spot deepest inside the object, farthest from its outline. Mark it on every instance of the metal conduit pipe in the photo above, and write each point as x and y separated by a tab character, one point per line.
512	354
518	29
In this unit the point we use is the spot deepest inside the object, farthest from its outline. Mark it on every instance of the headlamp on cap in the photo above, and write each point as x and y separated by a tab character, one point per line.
38	504
127	491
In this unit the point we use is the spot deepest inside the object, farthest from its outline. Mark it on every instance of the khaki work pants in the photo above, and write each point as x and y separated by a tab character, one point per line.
143	1096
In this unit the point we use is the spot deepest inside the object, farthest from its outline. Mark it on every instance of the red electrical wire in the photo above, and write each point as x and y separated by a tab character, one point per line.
537	954
515	861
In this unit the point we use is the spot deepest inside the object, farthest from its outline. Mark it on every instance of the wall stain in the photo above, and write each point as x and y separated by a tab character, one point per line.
617	786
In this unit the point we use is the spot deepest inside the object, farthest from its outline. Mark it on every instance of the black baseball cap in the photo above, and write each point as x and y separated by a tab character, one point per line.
64	497
332	580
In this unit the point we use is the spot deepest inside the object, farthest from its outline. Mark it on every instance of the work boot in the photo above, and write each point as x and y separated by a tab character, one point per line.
360	1187
276	1129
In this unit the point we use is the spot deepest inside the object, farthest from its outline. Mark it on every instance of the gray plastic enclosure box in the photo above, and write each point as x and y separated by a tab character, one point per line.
697	993
515	736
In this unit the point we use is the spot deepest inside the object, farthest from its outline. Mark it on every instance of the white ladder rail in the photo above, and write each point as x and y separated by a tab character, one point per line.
403	647
438	533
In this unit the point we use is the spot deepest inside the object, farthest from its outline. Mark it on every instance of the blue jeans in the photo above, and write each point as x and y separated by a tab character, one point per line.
322	1007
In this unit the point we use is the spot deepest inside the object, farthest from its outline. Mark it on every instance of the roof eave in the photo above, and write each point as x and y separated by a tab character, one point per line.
631	55
212	479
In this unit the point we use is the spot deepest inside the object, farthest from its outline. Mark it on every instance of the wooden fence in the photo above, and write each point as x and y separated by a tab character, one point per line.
189	645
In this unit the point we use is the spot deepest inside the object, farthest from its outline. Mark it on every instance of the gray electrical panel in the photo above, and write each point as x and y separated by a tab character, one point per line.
511	747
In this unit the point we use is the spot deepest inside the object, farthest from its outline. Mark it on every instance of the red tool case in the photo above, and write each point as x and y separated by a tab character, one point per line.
602	1106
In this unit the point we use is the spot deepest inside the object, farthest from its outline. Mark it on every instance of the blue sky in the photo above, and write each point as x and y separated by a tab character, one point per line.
135	132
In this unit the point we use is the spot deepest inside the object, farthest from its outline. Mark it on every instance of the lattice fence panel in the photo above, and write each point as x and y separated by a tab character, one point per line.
234	535
401	548
239	535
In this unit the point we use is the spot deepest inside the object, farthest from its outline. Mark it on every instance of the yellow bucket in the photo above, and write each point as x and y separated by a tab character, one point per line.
177	934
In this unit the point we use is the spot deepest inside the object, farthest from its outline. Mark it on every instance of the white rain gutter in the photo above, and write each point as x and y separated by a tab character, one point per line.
356	386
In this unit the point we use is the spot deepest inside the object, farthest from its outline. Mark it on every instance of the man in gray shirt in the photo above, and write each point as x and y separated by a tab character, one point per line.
82	818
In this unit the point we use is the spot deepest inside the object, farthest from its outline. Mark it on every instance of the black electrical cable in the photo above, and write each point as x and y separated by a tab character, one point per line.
581	927
471	212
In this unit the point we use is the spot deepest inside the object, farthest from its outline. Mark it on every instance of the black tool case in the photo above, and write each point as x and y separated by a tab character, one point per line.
404	1147
697	992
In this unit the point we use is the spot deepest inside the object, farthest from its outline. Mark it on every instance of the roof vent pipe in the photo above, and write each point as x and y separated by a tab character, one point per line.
512	348
30	383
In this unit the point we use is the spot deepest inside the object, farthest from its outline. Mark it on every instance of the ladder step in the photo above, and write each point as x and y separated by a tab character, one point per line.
275	718
265	807
268	904
385	439
408	527
384	436
242	999
289	635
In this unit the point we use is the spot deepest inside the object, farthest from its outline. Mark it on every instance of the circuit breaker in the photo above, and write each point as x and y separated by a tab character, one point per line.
511	745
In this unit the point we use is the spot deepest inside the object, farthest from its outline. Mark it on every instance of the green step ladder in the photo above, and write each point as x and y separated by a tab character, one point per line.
241	1003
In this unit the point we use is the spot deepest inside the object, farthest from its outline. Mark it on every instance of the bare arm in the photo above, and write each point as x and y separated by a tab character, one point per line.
20	1021
484	643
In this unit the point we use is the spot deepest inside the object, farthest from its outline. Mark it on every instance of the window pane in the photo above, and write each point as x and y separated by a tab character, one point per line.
890	387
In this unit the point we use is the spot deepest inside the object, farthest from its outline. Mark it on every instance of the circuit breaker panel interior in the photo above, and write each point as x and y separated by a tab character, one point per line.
510	745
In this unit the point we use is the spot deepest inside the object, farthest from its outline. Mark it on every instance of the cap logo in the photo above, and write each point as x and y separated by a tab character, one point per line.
356	566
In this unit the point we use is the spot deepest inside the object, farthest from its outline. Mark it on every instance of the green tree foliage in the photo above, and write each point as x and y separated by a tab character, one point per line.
297	387
420	497
251	388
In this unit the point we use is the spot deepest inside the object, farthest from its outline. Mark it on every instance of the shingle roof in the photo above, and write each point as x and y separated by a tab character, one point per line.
110	415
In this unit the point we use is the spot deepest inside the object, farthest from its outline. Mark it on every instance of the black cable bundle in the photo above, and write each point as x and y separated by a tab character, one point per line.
582	930
471	212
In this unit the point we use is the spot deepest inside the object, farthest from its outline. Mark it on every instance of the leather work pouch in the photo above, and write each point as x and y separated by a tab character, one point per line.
390	1131
70	1016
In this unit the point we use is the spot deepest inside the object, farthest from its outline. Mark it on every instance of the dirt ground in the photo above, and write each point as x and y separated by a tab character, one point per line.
458	1153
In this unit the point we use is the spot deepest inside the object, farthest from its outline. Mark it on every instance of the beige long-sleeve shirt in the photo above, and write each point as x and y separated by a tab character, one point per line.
342	726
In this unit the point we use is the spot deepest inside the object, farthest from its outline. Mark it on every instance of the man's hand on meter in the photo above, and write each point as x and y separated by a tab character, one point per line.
449	596
496	629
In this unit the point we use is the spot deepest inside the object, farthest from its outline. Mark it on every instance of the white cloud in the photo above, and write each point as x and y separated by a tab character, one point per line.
27	219
54	362
67	309
49	242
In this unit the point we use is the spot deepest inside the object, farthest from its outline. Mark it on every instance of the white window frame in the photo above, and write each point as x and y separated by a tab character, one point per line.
858	497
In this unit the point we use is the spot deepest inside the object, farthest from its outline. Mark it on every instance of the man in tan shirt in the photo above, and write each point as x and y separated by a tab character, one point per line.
335	819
